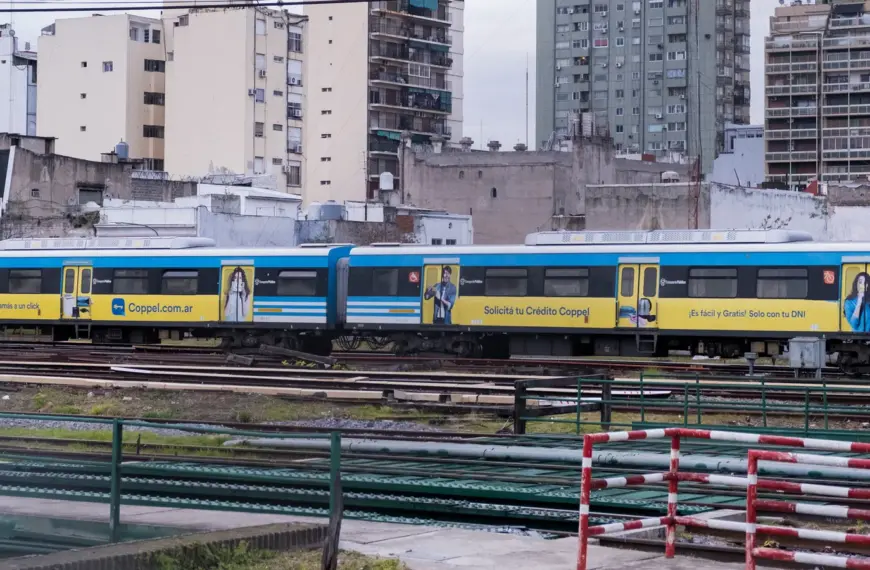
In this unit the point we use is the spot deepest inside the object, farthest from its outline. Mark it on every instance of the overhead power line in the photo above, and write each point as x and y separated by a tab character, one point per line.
119	6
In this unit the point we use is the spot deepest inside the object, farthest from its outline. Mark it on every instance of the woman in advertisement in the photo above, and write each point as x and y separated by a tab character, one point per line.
855	307
238	295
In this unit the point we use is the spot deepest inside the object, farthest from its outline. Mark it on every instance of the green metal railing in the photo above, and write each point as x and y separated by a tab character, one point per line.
581	405
117	463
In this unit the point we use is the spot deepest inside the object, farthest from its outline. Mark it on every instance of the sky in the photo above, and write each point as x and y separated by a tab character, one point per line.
499	41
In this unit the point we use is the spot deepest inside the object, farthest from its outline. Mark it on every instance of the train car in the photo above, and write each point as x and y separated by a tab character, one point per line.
603	293
146	289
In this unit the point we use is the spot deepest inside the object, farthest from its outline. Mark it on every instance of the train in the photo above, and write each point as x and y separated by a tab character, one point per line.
711	292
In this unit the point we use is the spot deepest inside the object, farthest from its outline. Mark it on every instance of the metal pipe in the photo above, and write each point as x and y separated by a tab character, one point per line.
652	461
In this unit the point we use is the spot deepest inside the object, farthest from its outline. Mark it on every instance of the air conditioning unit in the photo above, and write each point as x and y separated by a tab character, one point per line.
603	14
603	30
297	113
618	65
285	169
637	12
682	96
558	68
261	73
656	82
252	92
293	81
604	64
658	116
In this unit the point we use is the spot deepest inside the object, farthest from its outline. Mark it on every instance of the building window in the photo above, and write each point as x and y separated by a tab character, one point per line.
84	64
294	174
325	159
325	182
326	90
155	36
294	42
260	27
83	95
107	66
326	136
279	25
258	129
450	241
277	127
34	192
155	65
259	95
277	161
436	241
461	174
152	131
83	128
326	112
278	93
259	165
154	98
494	193
94	195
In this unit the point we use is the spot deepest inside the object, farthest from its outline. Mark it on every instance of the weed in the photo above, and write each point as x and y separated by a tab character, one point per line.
244	417
109	409
66	410
40	400
159	415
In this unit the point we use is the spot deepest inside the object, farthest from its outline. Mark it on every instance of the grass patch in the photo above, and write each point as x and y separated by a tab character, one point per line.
310	560
159	415
130	437
65	410
107	409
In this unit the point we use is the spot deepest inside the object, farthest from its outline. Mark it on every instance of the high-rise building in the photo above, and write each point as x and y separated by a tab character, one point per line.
101	81
660	76
234	98
817	93
377	72
17	85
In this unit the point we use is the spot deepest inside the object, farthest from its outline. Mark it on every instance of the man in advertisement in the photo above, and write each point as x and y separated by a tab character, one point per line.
443	295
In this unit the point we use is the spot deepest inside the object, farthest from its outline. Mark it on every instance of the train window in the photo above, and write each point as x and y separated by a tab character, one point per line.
650	281
297	283
506	282
86	282
573	282
713	283
627	282
130	282
25	280
787	283
179	282
69	280
385	282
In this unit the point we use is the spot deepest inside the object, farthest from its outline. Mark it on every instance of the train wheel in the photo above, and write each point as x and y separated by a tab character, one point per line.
848	364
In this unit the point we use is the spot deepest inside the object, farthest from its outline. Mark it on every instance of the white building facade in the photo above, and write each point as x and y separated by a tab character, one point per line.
741	163
102	81
374	72
17	85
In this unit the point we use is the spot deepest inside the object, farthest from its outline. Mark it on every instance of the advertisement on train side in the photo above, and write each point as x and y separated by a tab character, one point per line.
29	307
158	308
444	304
794	315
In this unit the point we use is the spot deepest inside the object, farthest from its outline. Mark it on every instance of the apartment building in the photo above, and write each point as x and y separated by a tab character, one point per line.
17	85
659	76
379	76
234	84
817	93
102	81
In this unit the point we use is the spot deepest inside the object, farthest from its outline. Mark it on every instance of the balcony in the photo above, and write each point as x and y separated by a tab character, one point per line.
802	89
382	146
791	45
793	67
294	113
413	125
803	25
405	80
855	22
792	112
784	134
414	99
846	41
833	110
846	87
386	51
846	132
403	7
434	36
294	147
846	154
791	156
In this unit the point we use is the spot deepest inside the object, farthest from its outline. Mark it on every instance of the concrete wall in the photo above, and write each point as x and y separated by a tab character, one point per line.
644	207
16	81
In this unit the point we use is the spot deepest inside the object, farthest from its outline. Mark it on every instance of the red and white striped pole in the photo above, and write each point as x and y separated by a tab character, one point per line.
673	483
585	493
751	497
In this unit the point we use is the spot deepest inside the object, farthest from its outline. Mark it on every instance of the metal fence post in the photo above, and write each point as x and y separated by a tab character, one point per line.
115	489
334	472
520	407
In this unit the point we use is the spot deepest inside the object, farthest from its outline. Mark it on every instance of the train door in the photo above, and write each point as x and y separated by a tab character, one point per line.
638	296
855	310
76	297
237	292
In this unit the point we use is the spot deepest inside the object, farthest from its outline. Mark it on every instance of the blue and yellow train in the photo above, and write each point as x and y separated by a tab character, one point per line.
561	293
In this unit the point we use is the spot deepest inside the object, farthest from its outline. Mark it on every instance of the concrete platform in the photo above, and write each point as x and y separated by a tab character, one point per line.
421	547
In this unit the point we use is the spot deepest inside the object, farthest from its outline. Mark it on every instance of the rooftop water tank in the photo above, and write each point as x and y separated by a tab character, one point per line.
122	149
331	210
314	211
